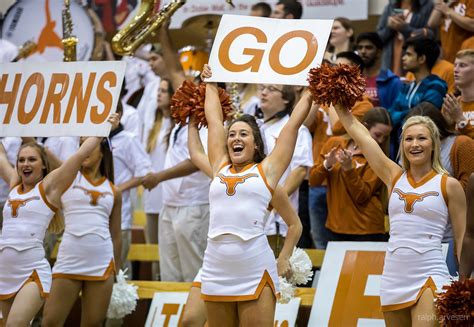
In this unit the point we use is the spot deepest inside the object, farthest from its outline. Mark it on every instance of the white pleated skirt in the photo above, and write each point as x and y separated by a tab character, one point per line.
237	270
407	273
21	267
88	257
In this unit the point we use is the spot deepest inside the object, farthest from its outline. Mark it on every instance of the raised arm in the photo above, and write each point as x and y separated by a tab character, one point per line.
457	211
7	172
196	150
56	182
282	205
275	164
173	66
384	168
216	139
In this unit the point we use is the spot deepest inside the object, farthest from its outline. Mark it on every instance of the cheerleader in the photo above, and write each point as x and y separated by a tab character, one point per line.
239	275
422	199
25	274
91	240
195	313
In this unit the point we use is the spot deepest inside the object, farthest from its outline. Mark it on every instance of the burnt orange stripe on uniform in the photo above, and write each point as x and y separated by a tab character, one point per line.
110	270
266	279
428	284
43	195
422	181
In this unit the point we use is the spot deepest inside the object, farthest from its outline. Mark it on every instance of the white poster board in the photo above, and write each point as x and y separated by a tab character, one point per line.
264	50
348	292
58	98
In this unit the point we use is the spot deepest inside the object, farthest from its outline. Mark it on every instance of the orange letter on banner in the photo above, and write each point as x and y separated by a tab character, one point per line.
38	80
308	58
169	309
254	63
350	303
54	99
79	99
9	97
105	97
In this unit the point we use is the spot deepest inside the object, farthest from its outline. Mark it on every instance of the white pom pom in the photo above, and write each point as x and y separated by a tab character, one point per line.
301	267
124	298
287	291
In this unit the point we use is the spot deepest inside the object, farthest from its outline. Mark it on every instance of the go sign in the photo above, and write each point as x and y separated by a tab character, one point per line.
264	50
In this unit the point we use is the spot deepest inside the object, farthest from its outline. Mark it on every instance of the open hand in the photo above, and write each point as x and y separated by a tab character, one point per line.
331	158
451	109
344	157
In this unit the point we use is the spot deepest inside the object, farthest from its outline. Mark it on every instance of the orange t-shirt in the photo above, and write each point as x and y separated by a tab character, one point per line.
354	196
468	44
468	112
451	35
444	70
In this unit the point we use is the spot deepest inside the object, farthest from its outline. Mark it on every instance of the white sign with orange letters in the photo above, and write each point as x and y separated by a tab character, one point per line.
59	99
348	291
265	50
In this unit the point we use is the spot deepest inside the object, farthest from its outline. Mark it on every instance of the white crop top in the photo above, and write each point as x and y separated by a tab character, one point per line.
26	216
87	207
238	202
418	212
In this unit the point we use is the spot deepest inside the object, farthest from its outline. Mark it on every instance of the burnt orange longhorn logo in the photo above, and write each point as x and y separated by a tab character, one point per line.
15	204
411	198
94	195
231	182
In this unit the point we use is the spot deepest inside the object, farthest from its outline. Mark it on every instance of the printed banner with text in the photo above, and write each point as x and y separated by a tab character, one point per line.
59	99
264	50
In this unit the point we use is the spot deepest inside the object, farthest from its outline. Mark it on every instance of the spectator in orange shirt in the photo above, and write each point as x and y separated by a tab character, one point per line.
353	183
456	24
459	111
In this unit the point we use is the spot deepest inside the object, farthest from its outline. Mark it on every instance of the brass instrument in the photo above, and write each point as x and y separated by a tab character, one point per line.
28	48
69	40
143	25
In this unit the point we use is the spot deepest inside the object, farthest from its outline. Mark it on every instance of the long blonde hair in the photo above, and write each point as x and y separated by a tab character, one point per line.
56	225
155	131
434	133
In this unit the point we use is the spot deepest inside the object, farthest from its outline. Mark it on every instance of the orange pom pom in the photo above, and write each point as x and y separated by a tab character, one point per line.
341	83
182	102
455	306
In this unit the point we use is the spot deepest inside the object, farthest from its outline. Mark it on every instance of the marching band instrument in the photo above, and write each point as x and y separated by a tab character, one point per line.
69	40
142	26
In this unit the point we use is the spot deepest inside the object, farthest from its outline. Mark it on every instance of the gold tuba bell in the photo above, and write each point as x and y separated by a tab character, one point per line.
128	39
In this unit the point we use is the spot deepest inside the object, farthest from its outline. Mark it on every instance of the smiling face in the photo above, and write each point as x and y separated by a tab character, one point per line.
417	145
339	35
271	98
241	143
30	165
